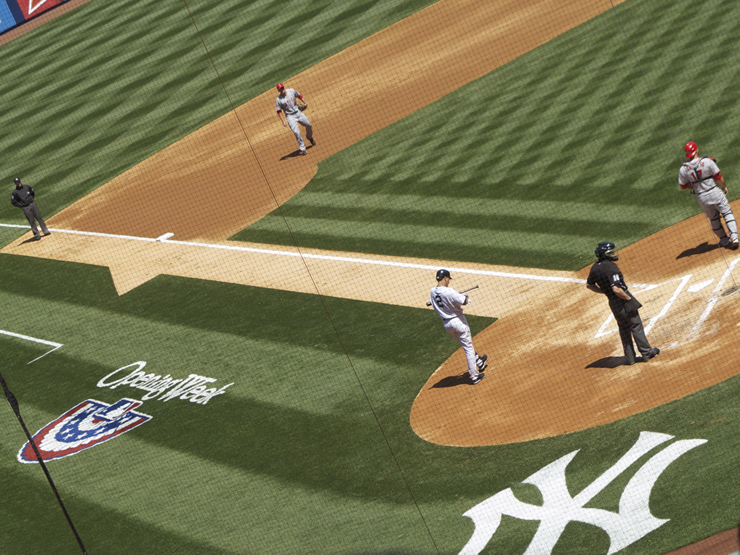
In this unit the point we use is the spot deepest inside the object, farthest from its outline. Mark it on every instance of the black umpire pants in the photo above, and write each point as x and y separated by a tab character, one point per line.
630	325
32	215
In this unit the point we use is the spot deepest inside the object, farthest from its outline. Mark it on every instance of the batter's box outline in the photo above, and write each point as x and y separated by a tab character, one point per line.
654	320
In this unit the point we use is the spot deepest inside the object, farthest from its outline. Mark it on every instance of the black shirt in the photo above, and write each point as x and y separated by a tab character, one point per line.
604	275
22	196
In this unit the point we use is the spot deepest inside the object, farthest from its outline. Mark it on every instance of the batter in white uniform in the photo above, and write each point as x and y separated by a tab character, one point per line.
703	176
285	102
448	305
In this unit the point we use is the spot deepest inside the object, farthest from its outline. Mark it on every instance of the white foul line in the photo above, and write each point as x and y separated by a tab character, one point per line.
35	340
165	240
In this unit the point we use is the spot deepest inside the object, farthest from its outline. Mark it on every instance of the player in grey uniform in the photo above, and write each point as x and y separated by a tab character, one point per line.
286	102
448	305
703	176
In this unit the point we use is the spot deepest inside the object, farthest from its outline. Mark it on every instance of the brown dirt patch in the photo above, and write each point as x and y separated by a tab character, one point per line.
726	543
548	372
351	95
549	375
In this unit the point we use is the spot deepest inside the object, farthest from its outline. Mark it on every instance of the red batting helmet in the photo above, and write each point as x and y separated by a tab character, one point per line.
690	149
280	86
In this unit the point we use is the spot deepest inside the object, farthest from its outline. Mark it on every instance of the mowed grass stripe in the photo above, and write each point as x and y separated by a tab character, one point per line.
571	125
204	506
96	91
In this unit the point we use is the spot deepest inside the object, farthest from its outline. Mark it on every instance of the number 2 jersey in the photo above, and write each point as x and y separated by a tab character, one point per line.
447	302
699	174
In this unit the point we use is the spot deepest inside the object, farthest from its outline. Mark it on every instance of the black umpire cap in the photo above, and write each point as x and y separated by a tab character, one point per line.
441	274
17	180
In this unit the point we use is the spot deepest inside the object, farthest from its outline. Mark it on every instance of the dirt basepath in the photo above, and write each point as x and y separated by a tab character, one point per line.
351	95
554	359
554	369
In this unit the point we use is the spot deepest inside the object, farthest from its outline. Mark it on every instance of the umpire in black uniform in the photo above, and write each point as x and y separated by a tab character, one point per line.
23	197
605	278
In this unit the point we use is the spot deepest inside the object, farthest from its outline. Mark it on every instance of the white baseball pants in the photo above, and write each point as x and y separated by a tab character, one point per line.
459	329
293	122
714	204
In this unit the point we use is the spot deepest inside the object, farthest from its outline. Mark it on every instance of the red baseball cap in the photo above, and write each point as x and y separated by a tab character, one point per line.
280	86
690	149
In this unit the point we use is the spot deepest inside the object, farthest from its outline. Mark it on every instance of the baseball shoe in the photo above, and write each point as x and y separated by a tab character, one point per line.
654	352
303	152
734	244
481	362
47	233
478	378
36	238
724	242
313	143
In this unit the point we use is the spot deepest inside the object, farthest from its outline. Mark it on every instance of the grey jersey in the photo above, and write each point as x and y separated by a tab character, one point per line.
699	173
447	302
287	103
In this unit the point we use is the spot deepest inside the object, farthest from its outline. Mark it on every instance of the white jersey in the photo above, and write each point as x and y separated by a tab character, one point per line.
447	302
287	103
699	173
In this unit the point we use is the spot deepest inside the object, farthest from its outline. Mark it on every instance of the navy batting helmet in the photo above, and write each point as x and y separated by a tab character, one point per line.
606	251
16	180
441	274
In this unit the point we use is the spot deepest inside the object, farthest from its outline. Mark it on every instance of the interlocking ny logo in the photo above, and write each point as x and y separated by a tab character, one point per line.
632	522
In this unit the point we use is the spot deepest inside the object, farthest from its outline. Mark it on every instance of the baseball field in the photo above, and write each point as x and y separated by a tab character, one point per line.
223	346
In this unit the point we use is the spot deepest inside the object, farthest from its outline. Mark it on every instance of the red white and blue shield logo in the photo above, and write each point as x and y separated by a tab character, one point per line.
86	425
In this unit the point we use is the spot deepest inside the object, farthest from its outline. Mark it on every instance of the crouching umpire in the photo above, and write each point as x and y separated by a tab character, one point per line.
605	278
23	198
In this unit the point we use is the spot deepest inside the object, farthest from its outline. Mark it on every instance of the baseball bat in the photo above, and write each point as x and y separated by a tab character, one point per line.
461	292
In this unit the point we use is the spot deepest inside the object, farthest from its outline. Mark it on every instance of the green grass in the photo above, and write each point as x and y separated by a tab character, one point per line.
96	91
292	458
536	162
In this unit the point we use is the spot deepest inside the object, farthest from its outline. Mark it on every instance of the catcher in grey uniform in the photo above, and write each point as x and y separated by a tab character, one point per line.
286	102
702	175
448	305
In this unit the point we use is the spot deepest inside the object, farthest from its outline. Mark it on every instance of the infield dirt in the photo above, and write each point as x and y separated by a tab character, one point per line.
548	374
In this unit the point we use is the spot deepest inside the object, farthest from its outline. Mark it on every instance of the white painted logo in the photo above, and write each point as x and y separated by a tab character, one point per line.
631	523
193	388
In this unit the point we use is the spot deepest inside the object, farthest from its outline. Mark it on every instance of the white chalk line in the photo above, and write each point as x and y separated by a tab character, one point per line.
713	299
165	240
641	289
35	340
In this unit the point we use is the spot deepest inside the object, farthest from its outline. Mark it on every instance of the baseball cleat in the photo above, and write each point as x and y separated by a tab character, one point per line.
481	362
313	143
735	244
47	233
478	378
654	352
303	152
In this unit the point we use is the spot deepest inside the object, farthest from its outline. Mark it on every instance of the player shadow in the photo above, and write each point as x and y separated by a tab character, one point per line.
701	249
295	153
31	240
609	362
452	381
